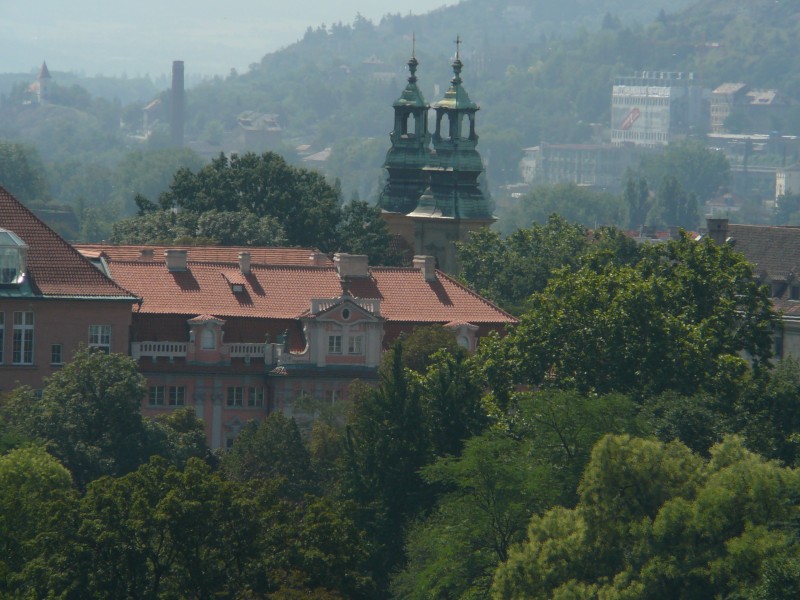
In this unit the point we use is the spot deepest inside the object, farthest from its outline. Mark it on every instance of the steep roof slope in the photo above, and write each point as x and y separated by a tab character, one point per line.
54	267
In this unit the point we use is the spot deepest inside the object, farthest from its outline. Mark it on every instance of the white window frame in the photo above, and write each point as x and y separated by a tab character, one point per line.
177	395
355	344
100	338
334	344
255	396
234	397
22	351
156	395
56	354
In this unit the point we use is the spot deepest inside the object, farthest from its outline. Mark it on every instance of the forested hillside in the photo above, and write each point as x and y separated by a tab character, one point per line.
541	71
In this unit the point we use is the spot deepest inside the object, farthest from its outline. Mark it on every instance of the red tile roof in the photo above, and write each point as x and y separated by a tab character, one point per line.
258	255
285	292
54	267
775	255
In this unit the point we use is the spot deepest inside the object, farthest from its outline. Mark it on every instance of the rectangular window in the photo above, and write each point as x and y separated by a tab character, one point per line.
2	334
177	395
333	396
55	355
355	344
156	395
255	396
795	292
22	351
100	337
334	344
235	396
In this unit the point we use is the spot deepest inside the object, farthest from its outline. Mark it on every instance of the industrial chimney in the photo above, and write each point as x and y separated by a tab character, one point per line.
176	118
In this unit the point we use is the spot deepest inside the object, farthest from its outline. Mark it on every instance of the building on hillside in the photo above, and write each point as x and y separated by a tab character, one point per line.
52	300
432	197
257	132
775	255
655	108
600	166
751	110
238	333
723	100
787	181
37	92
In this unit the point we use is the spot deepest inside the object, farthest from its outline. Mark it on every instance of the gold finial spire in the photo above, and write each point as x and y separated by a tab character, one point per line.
458	46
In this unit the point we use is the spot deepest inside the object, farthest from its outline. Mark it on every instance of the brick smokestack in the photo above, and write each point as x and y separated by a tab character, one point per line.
177	118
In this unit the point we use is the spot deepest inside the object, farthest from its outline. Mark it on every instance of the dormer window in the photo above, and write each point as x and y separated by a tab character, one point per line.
13	258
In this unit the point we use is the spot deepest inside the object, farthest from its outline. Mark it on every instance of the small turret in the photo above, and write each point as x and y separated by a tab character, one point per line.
410	151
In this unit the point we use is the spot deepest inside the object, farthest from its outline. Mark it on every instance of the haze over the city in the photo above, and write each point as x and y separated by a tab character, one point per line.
116	38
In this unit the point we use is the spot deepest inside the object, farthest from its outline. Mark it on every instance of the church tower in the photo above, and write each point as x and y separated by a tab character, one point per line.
453	205
410	151
42	82
432	198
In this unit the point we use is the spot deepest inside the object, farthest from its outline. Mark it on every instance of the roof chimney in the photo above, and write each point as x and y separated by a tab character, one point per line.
426	264
351	265
717	230
244	263
176	259
318	259
146	254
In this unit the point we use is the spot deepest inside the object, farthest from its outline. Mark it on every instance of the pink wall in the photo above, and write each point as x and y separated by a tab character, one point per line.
64	322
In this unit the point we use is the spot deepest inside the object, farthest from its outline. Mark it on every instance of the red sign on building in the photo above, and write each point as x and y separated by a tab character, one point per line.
628	122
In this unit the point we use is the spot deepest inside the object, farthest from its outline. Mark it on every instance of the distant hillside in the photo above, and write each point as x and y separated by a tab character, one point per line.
335	86
757	41
541	70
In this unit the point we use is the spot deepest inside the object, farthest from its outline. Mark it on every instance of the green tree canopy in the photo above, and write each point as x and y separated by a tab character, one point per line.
265	185
21	173
271	448
88	415
508	270
36	495
697	169
656	521
363	231
681	318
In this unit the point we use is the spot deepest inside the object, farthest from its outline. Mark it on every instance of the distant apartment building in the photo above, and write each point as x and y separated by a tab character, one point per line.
600	166
787	181
653	108
751	110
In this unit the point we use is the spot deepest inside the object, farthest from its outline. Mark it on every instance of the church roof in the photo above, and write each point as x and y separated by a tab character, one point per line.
456	97
411	95
44	73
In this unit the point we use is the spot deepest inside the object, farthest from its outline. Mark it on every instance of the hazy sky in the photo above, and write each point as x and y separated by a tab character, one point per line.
137	37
